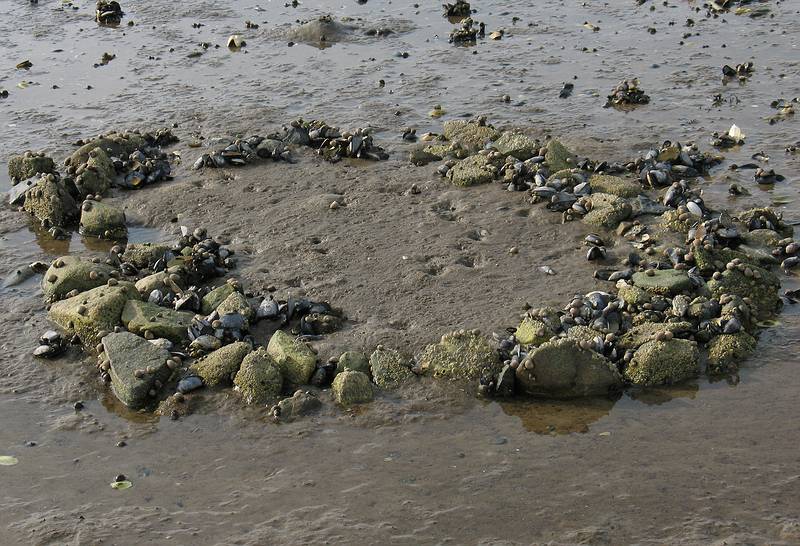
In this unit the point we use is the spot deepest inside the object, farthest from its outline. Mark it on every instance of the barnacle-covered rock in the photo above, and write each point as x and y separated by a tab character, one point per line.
460	355
50	201
29	164
151	320
727	350
102	220
136	368
295	359
220	366
69	273
664	362
352	387
259	379
390	368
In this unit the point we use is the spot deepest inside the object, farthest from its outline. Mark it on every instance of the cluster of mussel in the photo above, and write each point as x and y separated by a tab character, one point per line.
243	151
468	32
108	13
460	8
741	71
627	92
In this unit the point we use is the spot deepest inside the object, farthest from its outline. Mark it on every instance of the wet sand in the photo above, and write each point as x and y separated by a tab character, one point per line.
703	463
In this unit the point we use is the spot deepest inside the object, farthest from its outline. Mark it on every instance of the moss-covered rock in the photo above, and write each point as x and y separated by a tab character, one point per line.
213	299
259	379
420	157
142	317
144	255
642	333
516	145
113	144
664	363
532	331
757	218
353	360
727	350
562	369
761	288
471	171
96	175
93	312
558	157
614	185
236	302
50	202
352	387
714	259
21	167
156	281
607	211
390	368
69	273
299	404
632	295
102	220
220	366
672	220
461	355
583	333
136	367
469	134
295	359
663	282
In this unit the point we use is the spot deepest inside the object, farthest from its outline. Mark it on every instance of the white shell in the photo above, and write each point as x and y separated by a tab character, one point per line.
736	133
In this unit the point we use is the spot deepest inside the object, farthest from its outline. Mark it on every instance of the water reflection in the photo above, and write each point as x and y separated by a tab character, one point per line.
558	416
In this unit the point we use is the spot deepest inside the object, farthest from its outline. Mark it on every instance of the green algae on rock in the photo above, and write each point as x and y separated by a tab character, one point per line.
460	355
562	369
295	359
614	185
69	273
642	333
29	164
663	282
148	319
102	220
758	285
259	380
353	360
93	312
144	255
220	367
50	202
517	145
236	302
727	350
532	331
352	387
390	368
558	157
213	299
137	368
664	362
471	171
470	134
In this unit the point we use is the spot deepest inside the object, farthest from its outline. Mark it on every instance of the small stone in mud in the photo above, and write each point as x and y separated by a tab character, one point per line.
352	387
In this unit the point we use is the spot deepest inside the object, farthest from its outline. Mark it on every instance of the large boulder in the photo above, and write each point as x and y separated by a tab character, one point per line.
562	369
390	368
102	220
29	164
50	202
137	368
94	312
259	379
469	134
153	321
461	355
663	282
69	273
664	362
295	359
352	387
220	367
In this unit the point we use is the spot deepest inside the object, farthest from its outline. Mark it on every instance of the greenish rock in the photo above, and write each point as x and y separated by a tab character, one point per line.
562	369
259	379
102	220
766	214
213	299
156	281
727	350
517	145
583	333
130	356
144	255
532	331
353	360
671	221
96	175
460	355
762	292
113	144
29	164
607	211
390	368
471	171
632	295
664	282
450	149
219	367
420	157
714	259
558	157
758	255
50	202
352	387
299	404
69	273
763	238
642	333
614	185
663	363
469	134
295	359
93	312
141	317
236	302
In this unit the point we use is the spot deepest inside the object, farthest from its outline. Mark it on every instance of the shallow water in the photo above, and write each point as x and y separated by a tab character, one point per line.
703	463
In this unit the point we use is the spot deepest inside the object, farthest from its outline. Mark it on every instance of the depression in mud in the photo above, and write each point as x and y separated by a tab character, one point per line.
372	271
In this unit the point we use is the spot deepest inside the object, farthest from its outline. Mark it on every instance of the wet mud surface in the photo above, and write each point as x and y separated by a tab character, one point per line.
700	463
